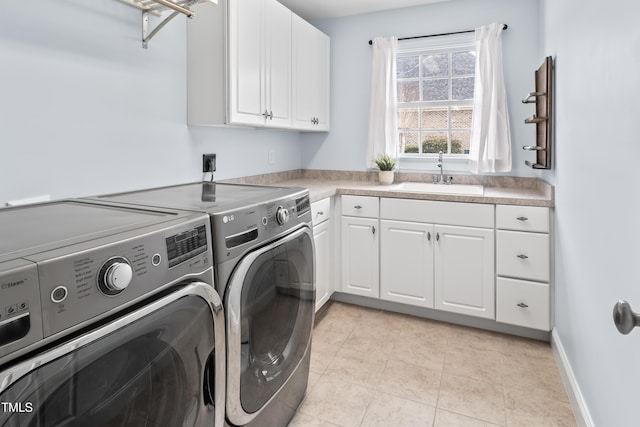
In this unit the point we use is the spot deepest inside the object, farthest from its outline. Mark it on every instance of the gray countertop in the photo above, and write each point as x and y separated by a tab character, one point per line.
320	189
497	190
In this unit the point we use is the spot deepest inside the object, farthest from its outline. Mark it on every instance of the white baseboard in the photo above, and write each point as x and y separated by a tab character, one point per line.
580	410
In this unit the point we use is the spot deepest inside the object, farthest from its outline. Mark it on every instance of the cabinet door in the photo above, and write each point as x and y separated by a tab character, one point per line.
406	262
464	271
322	240
278	64
246	62
310	76
360	256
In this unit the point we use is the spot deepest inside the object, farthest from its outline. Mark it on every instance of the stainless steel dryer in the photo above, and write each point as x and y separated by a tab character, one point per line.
108	316
264	268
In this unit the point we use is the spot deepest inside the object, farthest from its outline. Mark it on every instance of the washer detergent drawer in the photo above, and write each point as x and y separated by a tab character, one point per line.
20	313
163	352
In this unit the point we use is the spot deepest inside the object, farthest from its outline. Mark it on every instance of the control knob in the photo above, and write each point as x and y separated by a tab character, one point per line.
282	215
115	275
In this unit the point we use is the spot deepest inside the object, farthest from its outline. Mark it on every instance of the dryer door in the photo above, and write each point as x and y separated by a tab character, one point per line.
153	366
270	311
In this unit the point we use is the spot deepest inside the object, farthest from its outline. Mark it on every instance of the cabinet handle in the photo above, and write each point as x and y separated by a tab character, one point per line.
270	115
429	236
522	305
438	237
522	218
373	229
320	213
522	256
265	114
357	207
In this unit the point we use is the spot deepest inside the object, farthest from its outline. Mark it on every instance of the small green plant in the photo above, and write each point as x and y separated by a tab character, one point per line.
385	162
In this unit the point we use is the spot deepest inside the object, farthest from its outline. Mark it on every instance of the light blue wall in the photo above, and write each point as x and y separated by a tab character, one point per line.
85	110
597	45
345	146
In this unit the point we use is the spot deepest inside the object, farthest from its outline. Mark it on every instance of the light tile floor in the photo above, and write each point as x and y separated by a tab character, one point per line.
377	368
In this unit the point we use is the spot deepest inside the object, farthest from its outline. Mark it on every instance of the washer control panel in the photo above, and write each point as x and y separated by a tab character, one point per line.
239	229
82	282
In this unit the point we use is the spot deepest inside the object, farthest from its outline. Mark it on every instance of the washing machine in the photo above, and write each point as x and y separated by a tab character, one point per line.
264	269
108	317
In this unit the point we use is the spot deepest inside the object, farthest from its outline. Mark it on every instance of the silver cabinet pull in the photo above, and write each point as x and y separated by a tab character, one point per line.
522	305
438	237
320	213
270	115
429	236
373	229
357	207
624	317
522	256
265	114
522	218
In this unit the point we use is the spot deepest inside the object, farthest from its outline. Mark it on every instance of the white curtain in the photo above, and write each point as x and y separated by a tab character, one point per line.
383	118
490	149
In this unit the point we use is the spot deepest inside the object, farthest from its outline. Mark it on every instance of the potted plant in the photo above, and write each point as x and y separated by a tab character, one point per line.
387	165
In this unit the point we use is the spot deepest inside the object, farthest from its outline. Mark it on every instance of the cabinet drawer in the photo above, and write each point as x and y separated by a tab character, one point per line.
523	303
363	206
522	218
321	211
436	212
523	255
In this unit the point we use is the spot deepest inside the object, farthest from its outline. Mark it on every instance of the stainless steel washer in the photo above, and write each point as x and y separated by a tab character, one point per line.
264	268
108	316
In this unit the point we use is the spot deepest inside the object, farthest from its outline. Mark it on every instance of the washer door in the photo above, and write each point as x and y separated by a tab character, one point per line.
270	310
154	366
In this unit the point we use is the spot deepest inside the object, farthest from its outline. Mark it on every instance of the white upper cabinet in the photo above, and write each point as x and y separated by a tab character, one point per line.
259	63
240	65
310	77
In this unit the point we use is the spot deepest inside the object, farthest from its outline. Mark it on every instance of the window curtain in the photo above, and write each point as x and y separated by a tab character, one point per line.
490	149
383	118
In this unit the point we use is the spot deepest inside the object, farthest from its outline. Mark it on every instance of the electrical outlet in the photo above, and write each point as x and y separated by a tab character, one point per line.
208	163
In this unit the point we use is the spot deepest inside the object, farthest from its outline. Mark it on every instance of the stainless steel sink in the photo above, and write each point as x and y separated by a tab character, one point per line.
427	187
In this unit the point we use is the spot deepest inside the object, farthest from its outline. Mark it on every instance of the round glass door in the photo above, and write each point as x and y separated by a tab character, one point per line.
277	308
149	372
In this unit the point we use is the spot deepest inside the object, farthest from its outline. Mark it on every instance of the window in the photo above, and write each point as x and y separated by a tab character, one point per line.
435	81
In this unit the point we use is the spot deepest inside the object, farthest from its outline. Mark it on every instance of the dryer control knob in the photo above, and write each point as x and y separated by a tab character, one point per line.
282	215
115	275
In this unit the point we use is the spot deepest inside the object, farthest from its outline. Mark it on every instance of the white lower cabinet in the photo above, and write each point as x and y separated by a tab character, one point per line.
442	255
523	247
406	267
322	241
360	256
464	274
523	303
447	266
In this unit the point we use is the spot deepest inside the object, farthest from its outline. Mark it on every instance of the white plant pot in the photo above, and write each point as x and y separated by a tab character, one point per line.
385	177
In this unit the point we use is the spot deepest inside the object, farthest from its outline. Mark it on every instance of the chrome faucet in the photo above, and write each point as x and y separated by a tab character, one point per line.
442	179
